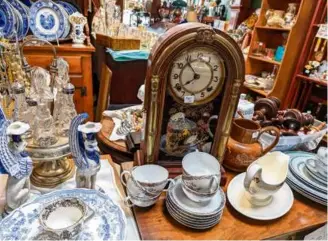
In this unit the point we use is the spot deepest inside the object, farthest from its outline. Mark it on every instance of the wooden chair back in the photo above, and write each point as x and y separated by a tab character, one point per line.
104	89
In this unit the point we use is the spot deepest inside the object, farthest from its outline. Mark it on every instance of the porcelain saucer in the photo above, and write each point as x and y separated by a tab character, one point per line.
281	203
315	176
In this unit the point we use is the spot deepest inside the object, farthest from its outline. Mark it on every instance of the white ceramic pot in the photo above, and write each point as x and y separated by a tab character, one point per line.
65	217
147	180
201	172
265	176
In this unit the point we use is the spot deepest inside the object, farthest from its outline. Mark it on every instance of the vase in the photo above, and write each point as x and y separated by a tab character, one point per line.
78	21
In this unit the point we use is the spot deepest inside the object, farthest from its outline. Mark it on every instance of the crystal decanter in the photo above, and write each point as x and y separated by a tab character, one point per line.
44	131
67	112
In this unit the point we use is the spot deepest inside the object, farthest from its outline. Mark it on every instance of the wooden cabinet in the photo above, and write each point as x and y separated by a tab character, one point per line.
80	70
292	40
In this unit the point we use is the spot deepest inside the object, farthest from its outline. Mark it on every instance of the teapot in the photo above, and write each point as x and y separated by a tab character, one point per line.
243	145
264	177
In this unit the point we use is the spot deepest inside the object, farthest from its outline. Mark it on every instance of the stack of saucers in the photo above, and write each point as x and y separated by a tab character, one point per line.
308	175
197	215
195	199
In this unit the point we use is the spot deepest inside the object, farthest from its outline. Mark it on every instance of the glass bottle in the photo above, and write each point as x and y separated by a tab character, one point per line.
20	101
67	112
44	128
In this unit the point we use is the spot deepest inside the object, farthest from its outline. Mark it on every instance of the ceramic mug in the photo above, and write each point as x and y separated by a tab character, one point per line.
139	201
197	196
201	175
320	163
65	217
264	177
149	180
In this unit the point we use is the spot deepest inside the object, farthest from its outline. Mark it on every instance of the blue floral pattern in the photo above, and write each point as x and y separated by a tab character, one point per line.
109	218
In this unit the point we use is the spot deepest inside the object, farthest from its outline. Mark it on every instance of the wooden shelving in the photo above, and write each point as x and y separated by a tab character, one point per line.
292	39
274	29
264	59
307	93
317	81
258	91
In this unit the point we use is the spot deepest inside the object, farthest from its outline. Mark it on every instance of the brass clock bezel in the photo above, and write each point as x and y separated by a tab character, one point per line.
214	94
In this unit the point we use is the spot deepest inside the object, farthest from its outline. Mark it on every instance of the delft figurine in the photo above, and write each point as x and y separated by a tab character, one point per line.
85	151
78	21
67	111
15	162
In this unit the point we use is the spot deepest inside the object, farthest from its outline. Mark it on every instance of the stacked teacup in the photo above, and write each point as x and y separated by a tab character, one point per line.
144	184
196	200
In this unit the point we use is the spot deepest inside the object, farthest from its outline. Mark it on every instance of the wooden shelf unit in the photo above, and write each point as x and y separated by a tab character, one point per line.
303	90
273	37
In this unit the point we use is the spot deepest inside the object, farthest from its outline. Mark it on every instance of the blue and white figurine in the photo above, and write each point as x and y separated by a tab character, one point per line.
85	151
15	162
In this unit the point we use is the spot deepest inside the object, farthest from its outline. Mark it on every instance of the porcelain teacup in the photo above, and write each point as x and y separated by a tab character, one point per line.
320	164
264	177
65	217
201	175
146	180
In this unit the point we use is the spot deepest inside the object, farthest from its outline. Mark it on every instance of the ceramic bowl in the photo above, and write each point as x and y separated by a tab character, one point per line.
65	217
148	180
199	196
201	172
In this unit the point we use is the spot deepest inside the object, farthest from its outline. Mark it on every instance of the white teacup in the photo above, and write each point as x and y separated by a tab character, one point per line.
201	173
146	180
65	217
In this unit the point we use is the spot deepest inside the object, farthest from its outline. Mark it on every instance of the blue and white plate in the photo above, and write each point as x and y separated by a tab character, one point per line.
70	9
66	22
24	15
28	3
47	20
7	19
298	168
108	222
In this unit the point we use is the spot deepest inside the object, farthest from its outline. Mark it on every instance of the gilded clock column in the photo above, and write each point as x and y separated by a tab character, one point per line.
152	120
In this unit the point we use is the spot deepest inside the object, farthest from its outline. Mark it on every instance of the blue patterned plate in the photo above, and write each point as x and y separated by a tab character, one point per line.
66	22
108	222
47	20
24	15
26	2
70	9
7	20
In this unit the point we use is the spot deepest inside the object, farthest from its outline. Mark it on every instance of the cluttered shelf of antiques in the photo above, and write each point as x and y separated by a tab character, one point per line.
209	152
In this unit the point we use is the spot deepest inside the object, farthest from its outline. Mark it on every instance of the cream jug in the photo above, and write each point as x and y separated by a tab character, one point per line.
264	177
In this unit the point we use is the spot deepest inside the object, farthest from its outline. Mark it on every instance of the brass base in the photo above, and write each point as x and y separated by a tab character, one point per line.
49	174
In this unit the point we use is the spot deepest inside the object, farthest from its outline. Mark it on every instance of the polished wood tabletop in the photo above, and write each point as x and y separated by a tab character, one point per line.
156	223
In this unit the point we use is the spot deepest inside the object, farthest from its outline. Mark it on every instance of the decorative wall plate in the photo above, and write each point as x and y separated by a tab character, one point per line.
70	9
24	13
47	20
7	19
108	222
66	22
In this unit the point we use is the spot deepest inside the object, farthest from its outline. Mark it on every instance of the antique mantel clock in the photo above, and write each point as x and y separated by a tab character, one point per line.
192	89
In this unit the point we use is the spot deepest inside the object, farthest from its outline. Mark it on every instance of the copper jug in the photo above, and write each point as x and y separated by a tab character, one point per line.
243	145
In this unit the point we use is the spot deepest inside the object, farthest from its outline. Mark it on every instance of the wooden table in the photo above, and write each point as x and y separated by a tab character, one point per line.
117	149
156	223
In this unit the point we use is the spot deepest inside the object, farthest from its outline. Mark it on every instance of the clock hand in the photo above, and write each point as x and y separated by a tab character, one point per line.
188	82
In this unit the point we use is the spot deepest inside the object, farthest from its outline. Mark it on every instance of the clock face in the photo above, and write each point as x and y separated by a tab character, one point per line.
197	76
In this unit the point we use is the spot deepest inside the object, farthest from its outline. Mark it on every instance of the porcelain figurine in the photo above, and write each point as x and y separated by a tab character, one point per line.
85	151
67	111
78	21
276	19
15	162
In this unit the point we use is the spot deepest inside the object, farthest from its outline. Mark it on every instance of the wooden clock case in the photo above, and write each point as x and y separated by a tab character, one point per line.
174	41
